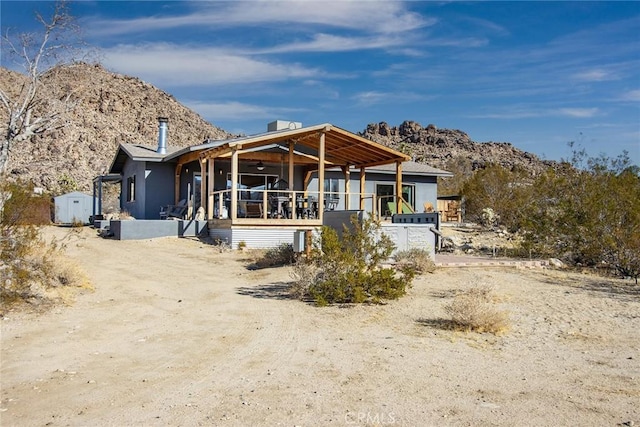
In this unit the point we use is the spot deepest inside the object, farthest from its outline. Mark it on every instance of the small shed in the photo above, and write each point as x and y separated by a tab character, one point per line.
73	208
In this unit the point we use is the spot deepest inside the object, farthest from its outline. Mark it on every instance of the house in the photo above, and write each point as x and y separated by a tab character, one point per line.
262	188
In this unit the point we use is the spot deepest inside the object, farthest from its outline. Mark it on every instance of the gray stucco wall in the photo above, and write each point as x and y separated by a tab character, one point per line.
159	188
136	207
148	229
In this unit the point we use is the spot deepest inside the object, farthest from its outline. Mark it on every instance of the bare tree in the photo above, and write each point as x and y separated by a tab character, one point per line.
30	109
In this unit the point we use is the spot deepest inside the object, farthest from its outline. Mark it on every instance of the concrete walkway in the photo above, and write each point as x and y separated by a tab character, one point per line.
449	260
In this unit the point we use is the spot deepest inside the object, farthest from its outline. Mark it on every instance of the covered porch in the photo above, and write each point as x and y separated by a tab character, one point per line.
268	176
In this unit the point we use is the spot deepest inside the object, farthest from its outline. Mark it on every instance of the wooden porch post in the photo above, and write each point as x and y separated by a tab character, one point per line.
347	186
210	185
321	177
176	183
398	187
291	164
234	184
362	187
203	183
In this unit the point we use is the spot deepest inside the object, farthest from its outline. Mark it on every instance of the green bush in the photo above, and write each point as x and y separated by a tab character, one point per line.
586	211
349	267
588	217
497	196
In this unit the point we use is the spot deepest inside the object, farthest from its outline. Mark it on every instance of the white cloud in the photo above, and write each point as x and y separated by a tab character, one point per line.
370	97
579	113
516	112
333	43
632	95
373	17
522	114
252	118
389	17
373	97
596	75
175	65
228	110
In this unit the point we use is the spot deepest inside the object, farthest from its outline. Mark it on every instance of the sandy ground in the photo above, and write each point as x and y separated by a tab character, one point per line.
177	333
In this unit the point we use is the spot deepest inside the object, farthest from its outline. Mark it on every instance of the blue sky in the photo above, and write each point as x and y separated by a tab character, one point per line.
536	74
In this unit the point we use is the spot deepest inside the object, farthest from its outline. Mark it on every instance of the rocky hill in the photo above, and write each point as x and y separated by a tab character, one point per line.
112	108
442	148
109	109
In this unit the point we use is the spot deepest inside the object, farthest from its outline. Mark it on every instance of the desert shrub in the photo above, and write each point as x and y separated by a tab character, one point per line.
462	169
474	309
66	184
278	256
497	196
588	216
349	267
489	218
417	259
221	245
20	206
585	211
29	266
304	274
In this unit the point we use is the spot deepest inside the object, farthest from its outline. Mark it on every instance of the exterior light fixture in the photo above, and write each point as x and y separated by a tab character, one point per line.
220	171
260	166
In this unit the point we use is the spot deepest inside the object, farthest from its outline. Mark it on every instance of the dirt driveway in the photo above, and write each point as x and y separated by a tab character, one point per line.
177	333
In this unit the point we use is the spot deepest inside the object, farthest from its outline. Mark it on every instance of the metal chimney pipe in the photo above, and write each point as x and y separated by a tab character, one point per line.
162	135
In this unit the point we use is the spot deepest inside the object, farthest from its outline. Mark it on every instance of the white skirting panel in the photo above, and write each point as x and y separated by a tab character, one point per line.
254	238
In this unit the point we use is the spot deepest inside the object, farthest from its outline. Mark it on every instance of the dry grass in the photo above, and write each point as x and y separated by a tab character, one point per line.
475	309
274	257
304	274
43	275
417	259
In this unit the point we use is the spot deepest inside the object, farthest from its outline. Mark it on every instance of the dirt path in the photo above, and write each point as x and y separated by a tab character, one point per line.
178	334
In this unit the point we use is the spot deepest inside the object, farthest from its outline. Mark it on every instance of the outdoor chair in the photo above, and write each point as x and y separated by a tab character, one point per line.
392	208
253	210
331	204
279	207
174	211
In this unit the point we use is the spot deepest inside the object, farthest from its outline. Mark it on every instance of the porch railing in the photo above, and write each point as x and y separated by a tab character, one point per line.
286	204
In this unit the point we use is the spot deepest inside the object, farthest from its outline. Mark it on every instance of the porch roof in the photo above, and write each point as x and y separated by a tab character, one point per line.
411	168
341	147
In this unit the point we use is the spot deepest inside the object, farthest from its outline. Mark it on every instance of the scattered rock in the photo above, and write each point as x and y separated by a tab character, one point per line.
555	262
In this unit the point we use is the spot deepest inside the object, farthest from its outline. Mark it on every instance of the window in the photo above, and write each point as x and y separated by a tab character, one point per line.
197	187
386	194
252	186
409	194
331	189
131	189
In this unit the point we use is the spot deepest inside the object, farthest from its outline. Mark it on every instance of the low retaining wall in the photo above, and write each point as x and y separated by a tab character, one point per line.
404	235
410	236
147	229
